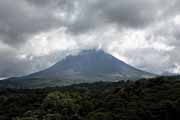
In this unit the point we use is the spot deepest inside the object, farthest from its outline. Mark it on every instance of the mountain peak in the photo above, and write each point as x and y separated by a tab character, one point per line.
90	64
92	51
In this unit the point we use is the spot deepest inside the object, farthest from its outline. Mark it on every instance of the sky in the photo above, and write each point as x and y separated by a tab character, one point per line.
35	34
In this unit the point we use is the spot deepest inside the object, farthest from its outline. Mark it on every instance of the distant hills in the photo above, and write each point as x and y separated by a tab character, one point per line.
86	67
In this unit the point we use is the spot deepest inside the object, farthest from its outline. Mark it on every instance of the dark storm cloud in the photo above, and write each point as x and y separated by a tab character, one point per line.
21	20
40	2
124	13
96	13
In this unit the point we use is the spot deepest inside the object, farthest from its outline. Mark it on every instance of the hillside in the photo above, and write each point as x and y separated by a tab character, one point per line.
146	99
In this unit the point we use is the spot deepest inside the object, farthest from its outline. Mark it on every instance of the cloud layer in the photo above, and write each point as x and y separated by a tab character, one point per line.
35	34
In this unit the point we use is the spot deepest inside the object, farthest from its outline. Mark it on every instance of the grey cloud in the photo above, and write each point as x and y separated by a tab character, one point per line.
135	14
127	13
20	20
150	60
12	65
40	2
168	34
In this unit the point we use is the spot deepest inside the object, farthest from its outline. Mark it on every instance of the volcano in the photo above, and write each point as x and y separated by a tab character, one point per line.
88	66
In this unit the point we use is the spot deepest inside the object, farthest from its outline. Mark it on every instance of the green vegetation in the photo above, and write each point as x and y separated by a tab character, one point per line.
147	99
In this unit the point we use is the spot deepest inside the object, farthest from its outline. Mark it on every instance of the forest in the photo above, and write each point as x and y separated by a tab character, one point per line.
145	99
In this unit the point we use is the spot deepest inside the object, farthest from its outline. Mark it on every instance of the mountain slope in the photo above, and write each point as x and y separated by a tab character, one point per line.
88	66
91	63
